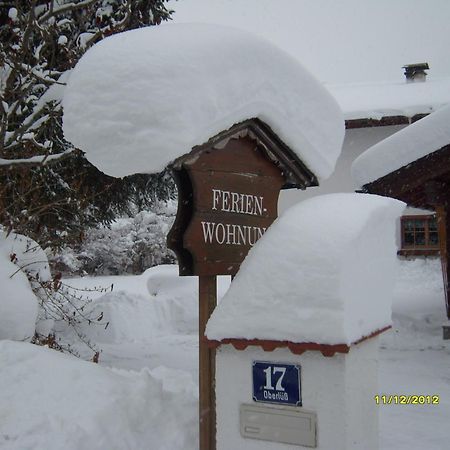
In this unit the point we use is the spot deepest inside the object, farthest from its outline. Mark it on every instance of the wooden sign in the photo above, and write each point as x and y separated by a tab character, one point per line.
234	204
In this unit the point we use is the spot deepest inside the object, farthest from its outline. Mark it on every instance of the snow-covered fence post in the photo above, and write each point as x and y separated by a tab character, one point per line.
296	333
235	118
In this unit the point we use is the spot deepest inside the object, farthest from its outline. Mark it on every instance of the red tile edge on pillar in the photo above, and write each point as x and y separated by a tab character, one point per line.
297	348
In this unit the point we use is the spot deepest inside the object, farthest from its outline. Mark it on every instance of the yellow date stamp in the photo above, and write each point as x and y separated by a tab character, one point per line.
408	399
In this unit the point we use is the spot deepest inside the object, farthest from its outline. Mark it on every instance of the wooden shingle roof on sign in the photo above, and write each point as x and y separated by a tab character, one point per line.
294	171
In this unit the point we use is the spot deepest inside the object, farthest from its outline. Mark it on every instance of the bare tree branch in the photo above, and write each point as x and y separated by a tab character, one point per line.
63	9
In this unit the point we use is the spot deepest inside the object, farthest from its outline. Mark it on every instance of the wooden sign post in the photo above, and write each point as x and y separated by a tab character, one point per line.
227	198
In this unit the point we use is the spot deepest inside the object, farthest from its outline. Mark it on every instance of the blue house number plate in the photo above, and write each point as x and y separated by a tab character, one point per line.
276	383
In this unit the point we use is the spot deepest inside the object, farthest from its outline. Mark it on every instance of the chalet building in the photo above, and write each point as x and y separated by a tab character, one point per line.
374	112
414	166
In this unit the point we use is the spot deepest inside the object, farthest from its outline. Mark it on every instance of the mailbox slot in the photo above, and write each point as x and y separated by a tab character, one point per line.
288	425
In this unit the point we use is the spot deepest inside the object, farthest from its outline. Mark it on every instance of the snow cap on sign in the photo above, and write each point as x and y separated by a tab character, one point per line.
138	100
404	147
322	273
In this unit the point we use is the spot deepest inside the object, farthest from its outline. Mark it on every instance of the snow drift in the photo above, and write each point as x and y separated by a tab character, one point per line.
139	99
66	403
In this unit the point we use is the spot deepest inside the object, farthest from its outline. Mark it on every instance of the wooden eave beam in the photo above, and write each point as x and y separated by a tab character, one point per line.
385	121
296	173
409	181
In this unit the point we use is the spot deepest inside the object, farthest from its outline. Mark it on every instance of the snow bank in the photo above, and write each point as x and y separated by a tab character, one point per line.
169	306
323	272
19	256
139	99
54	401
418	310
416	141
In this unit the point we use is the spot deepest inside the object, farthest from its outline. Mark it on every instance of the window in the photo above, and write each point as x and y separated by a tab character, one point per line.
419	235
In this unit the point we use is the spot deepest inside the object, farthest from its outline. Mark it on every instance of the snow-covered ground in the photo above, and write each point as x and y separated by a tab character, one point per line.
143	394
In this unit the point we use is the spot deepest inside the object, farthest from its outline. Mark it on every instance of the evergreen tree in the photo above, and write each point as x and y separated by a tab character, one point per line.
47	188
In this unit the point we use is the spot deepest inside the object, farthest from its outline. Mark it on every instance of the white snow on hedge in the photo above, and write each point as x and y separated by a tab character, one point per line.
322	273
139	99
19	257
29	255
414	142
53	401
18	304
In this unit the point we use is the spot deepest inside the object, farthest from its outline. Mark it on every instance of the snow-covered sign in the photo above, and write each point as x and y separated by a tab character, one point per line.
236	117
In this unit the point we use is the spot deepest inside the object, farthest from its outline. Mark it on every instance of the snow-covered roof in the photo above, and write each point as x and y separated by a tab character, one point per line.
140	99
378	100
402	148
322	273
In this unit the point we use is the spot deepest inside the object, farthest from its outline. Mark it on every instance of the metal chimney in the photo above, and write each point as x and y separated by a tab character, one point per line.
415	72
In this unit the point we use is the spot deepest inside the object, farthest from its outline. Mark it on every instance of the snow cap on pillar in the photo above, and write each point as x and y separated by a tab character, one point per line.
138	100
323	273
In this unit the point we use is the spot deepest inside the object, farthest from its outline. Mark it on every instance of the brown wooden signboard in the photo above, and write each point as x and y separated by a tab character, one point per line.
228	192
234	206
227	198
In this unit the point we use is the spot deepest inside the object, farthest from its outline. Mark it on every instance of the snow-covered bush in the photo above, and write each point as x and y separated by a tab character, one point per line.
32	301
31	264
18	304
129	245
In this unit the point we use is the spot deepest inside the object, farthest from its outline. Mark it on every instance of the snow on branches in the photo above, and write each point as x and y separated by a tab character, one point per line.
40	42
47	188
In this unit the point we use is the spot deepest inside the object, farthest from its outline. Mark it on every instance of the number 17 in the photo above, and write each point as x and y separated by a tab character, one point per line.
270	372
